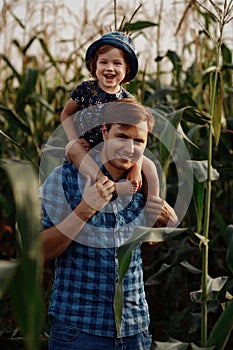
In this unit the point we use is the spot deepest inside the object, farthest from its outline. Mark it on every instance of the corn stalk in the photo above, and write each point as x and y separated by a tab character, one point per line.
216	100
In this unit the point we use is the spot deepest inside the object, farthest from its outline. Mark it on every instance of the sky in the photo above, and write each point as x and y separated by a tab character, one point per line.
148	11
96	8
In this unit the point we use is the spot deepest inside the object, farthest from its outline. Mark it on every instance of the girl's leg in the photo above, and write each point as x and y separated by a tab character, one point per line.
150	178
150	181
126	188
77	152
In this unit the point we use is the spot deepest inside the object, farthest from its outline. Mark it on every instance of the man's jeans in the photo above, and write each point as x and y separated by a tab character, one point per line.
66	338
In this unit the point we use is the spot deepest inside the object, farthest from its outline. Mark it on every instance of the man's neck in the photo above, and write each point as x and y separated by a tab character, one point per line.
116	174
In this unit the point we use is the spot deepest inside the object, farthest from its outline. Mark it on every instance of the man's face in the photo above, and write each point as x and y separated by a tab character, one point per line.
123	146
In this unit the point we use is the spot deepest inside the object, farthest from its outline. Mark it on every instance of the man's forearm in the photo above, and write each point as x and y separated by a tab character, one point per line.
56	239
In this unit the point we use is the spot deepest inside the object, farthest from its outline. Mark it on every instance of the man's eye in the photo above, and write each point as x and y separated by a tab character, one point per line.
122	138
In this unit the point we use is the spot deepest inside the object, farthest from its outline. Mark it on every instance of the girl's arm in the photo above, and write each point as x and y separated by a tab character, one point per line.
135	173
69	110
151	175
77	148
150	178
78	154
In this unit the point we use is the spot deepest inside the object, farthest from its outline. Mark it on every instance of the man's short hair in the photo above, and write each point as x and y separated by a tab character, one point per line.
129	112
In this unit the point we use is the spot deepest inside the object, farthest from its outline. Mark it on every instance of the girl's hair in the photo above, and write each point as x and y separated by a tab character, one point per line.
128	112
103	49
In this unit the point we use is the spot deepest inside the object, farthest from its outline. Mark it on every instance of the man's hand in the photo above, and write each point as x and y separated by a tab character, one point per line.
99	194
160	213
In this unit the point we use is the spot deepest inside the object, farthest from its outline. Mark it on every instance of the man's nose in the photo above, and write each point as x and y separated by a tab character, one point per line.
130	146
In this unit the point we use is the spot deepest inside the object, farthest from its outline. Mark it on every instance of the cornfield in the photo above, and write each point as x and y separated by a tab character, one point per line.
188	276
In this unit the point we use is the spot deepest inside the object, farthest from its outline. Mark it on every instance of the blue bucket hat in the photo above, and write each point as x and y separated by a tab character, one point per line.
120	40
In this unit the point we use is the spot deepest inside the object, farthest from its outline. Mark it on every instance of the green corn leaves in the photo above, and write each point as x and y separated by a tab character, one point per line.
216	91
173	344
229	238
140	235
222	329
139	25
25	288
7	270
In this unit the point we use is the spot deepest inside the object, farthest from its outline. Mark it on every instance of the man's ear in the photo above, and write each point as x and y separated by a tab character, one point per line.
104	131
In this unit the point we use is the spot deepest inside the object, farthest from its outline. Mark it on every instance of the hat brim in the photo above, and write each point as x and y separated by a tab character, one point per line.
133	61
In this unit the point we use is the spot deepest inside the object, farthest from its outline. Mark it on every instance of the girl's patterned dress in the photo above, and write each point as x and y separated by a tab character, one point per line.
88	120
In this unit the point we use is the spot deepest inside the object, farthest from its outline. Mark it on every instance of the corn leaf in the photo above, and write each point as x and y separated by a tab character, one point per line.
214	286
27	87
195	115
10	65
173	344
22	150
200	170
217	103
27	46
229	256
50	56
124	253
17	19
7	270
198	196
176	61
167	135
139	25
168	129
222	329
14	117
25	288
38	98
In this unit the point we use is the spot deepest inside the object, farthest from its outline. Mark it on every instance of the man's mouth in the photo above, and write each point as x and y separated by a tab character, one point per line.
125	156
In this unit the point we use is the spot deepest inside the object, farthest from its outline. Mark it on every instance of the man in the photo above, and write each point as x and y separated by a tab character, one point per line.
84	224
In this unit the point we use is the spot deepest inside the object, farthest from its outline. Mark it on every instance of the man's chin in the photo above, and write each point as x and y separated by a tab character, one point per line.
123	163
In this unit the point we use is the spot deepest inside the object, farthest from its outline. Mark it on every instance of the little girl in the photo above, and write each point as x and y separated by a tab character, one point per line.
111	61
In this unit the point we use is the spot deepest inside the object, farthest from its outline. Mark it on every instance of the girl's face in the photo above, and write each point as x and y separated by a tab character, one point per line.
111	70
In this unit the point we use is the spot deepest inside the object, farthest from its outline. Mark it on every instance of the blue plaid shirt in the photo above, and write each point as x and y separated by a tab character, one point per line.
86	274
